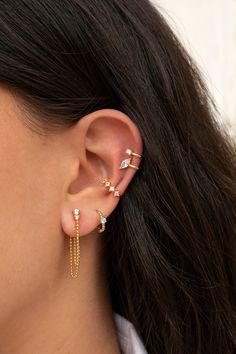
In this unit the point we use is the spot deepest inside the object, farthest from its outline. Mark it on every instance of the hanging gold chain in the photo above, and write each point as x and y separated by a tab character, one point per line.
75	245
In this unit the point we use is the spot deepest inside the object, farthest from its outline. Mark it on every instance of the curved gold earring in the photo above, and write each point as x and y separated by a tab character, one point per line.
75	246
103	220
127	162
112	189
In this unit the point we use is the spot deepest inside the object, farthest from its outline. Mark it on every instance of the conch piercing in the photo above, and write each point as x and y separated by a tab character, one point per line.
127	162
103	220
107	184
75	246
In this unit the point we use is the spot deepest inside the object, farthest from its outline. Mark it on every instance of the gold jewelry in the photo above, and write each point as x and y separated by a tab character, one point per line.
107	184
76	253
103	220
127	162
133	153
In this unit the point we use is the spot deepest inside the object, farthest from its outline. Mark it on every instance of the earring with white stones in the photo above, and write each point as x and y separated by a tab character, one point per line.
111	188
103	220
127	162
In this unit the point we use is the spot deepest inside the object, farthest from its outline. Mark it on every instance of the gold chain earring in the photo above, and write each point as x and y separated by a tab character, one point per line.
75	246
103	220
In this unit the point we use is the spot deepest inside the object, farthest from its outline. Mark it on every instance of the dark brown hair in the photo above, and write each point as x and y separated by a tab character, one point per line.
170	245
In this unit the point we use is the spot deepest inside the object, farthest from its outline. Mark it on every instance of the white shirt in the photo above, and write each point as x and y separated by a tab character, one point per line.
129	340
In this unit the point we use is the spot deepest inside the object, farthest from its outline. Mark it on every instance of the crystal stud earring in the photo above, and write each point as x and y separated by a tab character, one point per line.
127	162
132	153
111	188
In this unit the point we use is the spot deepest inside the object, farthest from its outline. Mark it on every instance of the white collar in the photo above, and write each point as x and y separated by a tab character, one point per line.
128	337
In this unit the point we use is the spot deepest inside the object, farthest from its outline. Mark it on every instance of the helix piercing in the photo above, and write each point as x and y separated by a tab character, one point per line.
132	153
127	162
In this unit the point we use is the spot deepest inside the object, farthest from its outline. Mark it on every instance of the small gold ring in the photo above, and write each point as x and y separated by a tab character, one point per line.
103	220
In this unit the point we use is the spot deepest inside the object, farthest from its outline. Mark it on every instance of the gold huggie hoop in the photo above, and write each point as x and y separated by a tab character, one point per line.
127	162
103	220
75	244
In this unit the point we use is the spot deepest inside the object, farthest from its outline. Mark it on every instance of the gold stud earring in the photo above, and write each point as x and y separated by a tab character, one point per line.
127	162
111	188
132	153
103	220
75	246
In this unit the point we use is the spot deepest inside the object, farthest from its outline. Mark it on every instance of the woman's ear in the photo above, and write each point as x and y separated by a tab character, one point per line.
100	141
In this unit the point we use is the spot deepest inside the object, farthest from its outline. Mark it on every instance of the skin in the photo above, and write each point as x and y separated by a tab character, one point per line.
42	179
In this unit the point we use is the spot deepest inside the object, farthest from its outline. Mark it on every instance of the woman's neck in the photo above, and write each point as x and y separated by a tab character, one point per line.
69	315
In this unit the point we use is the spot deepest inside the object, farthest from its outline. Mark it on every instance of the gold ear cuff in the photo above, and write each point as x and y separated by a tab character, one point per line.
127	162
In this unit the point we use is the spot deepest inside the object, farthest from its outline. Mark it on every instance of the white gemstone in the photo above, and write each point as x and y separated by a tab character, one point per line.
116	193
103	220
107	184
125	164
129	151
76	214
111	189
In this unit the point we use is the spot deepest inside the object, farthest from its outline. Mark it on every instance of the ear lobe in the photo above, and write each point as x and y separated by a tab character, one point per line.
105	136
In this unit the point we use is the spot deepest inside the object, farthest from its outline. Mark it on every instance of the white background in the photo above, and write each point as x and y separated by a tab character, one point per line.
207	28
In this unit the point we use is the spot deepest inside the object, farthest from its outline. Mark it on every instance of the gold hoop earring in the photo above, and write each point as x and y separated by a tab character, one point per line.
75	246
103	220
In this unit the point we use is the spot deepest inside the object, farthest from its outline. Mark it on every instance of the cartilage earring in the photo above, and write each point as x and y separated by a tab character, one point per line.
127	162
132	153
75	246
103	220
111	188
